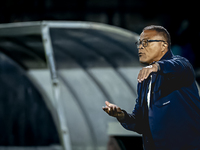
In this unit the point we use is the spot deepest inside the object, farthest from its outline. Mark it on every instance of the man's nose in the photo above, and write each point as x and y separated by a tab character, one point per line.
140	46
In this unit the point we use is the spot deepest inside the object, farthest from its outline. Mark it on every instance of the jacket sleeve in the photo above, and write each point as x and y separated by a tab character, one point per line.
133	121
177	68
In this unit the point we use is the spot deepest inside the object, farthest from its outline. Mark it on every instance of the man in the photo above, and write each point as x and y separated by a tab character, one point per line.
167	110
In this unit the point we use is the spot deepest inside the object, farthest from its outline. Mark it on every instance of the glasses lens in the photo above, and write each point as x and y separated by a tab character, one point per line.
144	43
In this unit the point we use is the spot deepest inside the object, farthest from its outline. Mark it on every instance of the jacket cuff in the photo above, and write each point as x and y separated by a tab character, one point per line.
125	116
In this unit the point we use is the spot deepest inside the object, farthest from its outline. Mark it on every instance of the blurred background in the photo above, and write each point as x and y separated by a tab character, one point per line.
48	107
179	18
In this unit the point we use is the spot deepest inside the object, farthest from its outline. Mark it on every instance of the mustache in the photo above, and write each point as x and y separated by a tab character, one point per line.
140	54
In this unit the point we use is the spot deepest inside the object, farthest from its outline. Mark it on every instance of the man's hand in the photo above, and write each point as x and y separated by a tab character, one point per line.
113	110
145	72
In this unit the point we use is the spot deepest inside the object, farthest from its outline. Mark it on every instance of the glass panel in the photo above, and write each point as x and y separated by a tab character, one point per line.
27	51
26	121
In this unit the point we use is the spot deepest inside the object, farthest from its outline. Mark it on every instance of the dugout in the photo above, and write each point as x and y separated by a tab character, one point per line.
55	77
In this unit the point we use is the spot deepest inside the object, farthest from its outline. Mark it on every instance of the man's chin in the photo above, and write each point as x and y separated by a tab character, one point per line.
143	62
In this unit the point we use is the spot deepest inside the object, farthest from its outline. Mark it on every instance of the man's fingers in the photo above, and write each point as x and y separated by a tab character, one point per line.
111	110
106	109
144	73
107	103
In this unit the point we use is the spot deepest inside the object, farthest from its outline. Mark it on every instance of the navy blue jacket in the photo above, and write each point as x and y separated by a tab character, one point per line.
172	122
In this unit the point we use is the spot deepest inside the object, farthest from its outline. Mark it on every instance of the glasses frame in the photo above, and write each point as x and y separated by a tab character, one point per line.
147	41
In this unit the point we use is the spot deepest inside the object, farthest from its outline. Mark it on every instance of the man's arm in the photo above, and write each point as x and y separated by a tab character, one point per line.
146	71
115	111
128	121
178	67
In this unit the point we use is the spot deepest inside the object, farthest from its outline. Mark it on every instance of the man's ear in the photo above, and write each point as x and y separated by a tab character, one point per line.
165	46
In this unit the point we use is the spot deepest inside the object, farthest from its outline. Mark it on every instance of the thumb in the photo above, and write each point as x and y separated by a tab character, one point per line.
107	103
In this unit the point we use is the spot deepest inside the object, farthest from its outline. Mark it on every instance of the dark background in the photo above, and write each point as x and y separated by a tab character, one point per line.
180	18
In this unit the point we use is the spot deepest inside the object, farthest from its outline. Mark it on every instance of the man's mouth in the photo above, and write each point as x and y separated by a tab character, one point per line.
140	54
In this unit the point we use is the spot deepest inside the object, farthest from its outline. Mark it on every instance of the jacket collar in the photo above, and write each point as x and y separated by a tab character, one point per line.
167	55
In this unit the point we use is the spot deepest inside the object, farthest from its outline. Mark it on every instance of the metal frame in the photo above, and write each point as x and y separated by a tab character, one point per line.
23	28
62	127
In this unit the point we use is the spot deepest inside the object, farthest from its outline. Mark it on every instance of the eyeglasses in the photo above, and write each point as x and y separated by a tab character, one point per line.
145	42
